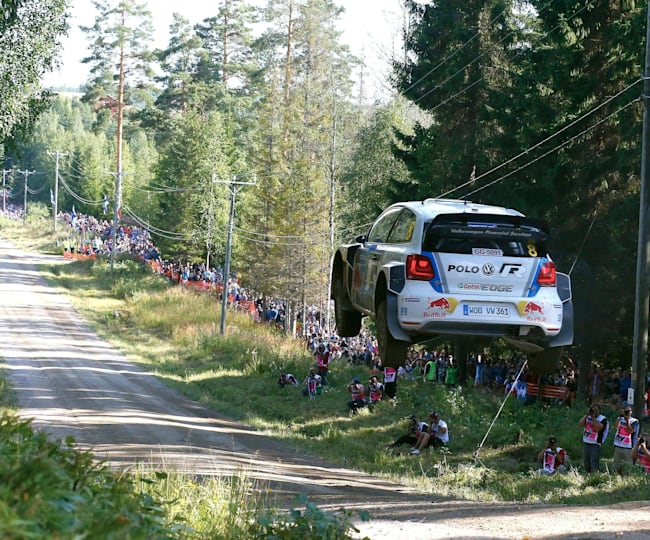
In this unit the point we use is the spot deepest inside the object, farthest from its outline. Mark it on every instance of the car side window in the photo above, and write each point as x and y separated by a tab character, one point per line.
403	230
382	227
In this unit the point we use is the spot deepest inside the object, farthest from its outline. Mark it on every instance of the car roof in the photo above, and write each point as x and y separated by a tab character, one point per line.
429	208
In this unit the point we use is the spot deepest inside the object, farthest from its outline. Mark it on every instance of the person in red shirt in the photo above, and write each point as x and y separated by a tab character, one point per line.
323	360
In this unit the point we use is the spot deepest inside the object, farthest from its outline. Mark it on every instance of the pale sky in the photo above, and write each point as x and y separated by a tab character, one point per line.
371	28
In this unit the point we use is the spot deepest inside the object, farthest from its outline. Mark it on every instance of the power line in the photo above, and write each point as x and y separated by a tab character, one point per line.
462	69
76	196
447	58
170	235
565	143
545	140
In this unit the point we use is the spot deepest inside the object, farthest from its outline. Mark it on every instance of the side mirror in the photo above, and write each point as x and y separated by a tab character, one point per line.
361	239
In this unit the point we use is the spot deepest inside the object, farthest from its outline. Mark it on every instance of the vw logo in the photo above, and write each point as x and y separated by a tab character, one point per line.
488	269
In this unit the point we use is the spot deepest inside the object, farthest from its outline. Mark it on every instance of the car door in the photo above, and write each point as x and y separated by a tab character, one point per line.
368	259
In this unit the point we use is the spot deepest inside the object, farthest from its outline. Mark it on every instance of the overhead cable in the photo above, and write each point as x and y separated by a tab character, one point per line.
565	143
546	139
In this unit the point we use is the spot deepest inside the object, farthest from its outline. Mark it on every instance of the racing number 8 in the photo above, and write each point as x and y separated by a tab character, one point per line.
532	250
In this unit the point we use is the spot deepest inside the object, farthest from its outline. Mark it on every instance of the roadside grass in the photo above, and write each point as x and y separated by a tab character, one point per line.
49	489
176	334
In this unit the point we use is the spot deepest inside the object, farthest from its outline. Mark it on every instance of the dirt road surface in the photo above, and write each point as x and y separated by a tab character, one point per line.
71	382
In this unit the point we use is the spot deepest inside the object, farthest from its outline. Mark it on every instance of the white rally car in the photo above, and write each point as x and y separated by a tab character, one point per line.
442	267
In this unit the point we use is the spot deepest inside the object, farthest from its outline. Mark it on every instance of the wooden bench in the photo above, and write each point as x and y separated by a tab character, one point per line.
548	391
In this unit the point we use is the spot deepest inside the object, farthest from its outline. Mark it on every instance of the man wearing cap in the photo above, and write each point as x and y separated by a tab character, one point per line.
437	434
358	395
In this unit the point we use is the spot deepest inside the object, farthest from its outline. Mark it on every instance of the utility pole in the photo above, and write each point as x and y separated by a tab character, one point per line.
640	345
116	210
5	172
233	185
26	173
55	204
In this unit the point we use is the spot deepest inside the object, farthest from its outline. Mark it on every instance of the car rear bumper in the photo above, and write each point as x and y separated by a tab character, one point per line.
428	314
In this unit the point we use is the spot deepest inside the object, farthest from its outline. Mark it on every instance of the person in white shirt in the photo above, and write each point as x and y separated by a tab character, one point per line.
437	434
595	432
626	431
553	458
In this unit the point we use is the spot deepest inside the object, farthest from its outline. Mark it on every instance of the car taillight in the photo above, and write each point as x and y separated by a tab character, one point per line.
547	276
419	267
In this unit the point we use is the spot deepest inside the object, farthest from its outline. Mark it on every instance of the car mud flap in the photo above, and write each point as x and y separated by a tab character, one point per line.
391	316
565	337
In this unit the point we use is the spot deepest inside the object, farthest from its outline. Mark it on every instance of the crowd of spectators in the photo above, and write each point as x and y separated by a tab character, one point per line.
88	236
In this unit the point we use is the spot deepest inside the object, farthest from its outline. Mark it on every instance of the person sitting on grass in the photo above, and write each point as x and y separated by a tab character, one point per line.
553	458
286	379
436	435
414	431
640	453
358	395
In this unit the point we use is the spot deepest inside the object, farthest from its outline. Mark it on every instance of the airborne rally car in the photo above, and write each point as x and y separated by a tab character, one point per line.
443	267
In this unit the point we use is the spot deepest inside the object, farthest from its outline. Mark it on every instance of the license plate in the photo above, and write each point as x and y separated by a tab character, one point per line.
481	310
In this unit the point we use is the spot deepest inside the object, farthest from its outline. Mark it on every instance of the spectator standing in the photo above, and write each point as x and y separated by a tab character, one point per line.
375	391
390	381
430	370
553	458
595	432
520	389
311	384
441	366
625	383
596	379
626	431
451	374
323	360
640	453
478	374
357	395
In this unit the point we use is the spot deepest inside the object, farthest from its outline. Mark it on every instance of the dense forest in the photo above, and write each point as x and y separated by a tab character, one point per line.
534	105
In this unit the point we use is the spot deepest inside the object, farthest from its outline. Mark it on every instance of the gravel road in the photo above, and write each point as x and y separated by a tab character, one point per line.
71	382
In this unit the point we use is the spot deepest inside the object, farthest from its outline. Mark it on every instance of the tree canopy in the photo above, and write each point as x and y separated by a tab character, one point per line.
29	39
533	105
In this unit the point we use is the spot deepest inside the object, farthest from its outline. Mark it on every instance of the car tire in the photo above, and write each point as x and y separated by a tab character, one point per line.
546	361
391	351
348	322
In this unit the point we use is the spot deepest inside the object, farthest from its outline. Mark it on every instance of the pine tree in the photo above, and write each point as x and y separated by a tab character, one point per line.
456	68
307	80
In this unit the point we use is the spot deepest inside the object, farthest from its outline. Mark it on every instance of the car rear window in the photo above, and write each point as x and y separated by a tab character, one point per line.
495	235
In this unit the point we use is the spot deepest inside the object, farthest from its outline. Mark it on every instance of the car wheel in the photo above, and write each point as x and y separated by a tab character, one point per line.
392	351
546	361
348	322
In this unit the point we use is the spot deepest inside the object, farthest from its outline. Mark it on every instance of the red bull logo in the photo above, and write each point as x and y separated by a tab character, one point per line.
532	307
440	308
531	310
441	303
